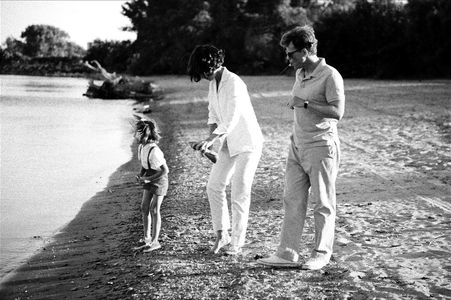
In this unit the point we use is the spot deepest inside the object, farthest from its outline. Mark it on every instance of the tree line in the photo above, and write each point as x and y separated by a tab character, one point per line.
361	38
44	50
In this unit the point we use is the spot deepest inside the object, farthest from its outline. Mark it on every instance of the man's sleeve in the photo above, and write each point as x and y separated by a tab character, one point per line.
335	88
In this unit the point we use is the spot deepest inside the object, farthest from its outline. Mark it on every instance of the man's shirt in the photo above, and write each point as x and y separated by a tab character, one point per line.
323	85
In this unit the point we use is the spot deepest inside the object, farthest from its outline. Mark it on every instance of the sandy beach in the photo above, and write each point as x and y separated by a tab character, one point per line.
393	194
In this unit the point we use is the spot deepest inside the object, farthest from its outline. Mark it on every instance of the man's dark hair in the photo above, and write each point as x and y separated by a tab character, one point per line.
204	60
301	37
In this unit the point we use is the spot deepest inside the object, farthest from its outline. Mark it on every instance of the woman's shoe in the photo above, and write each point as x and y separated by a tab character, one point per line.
234	250
219	243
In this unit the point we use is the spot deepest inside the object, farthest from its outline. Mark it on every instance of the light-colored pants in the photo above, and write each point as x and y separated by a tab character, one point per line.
241	170
314	168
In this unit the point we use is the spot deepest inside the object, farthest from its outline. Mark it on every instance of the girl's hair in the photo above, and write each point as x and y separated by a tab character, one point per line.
146	131
204	60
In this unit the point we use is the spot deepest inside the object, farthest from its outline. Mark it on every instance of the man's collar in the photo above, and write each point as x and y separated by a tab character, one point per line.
318	69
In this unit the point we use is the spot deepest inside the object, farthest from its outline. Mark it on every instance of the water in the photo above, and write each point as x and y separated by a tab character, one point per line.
58	149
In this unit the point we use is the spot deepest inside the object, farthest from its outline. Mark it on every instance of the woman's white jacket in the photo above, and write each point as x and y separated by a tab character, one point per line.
230	107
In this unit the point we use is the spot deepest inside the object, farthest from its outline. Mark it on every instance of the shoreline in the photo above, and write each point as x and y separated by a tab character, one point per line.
55	264
46	108
75	257
42	242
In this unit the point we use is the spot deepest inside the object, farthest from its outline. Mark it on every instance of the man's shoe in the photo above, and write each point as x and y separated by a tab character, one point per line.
275	261
316	262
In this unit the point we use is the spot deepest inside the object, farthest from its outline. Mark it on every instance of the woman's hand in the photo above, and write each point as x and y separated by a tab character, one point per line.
139	179
203	146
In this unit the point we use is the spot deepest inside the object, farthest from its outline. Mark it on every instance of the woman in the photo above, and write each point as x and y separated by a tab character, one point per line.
232	121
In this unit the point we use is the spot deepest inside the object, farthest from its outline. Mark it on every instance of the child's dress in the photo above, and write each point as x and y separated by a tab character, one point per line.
151	158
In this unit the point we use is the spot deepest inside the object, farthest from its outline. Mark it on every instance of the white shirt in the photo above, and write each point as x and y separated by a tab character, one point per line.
231	109
156	157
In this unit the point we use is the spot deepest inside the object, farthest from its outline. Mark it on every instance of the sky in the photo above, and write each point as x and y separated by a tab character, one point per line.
83	20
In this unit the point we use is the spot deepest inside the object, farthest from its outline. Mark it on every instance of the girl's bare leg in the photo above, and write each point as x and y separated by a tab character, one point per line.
146	215
155	205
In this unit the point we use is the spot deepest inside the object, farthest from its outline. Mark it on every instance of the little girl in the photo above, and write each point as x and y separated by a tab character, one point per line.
154	178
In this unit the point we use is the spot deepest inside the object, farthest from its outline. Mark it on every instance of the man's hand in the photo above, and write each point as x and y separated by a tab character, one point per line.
295	101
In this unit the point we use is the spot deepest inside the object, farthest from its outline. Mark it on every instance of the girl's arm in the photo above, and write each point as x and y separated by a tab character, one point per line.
157	175
142	172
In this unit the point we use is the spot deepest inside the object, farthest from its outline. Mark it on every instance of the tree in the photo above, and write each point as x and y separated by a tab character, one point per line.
13	48
70	49
113	55
248	31
366	41
362	38
48	41
429	29
166	32
266	21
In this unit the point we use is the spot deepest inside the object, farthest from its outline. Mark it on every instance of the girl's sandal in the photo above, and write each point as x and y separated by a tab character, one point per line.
143	243
152	247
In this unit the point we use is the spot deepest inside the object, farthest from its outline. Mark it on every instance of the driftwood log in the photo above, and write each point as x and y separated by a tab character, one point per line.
121	87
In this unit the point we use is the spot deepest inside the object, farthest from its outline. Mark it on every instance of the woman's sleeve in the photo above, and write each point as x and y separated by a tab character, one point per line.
212	116
235	94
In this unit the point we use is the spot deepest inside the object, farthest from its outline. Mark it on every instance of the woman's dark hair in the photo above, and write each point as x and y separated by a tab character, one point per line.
146	130
204	60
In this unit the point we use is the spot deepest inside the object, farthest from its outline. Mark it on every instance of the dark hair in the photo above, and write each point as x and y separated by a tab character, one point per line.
146	131
301	37
204	60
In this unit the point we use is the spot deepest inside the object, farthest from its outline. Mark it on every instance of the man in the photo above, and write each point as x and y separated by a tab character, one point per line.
318	102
